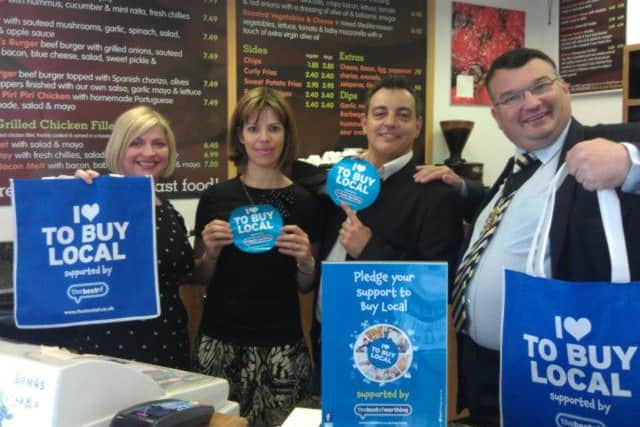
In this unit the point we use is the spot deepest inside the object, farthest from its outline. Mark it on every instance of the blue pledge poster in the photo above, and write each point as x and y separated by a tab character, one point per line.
384	344
84	253
570	350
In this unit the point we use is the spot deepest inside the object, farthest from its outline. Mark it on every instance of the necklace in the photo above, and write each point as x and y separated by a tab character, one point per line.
280	198
246	192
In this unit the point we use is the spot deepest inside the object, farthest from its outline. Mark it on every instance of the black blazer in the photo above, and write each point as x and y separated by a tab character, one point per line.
578	246
410	221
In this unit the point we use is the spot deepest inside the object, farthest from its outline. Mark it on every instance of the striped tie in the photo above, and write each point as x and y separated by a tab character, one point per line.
525	165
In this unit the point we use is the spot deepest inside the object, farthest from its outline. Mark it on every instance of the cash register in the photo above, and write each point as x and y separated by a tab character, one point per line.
48	386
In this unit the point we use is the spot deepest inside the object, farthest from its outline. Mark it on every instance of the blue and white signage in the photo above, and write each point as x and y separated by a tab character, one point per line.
570	351
355	182
255	228
384	344
81	254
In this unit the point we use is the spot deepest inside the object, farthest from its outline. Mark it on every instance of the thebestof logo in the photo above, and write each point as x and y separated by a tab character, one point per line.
568	420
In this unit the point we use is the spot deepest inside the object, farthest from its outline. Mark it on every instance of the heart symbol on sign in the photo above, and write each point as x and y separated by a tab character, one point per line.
90	211
253	210
360	168
577	328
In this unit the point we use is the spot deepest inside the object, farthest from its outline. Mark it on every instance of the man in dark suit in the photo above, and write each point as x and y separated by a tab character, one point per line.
408	221
532	106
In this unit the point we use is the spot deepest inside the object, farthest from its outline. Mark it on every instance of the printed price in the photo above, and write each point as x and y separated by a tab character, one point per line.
210	56
210	102
209	18
209	37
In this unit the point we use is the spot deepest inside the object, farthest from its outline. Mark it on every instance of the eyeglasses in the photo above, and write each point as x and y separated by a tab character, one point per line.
514	99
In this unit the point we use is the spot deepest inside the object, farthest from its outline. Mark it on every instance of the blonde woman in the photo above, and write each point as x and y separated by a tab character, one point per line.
143	144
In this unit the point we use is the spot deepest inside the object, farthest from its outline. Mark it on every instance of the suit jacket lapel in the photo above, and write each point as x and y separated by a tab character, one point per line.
564	196
496	186
485	201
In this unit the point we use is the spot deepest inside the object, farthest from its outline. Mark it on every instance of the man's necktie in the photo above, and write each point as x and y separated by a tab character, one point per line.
525	165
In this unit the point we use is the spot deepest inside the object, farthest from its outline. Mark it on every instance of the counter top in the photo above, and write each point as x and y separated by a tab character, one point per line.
222	420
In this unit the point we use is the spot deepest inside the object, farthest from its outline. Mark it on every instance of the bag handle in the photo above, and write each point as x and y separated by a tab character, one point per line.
609	204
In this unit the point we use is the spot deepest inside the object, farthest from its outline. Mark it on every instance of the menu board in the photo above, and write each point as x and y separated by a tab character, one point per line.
592	36
324	55
68	69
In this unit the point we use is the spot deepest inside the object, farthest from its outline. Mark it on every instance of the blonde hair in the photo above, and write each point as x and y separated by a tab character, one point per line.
130	125
256	100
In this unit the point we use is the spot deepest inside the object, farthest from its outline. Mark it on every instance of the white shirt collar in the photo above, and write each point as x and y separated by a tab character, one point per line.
393	166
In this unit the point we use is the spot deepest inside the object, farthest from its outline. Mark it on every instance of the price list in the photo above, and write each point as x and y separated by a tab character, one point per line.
592	37
68	69
320	86
324	55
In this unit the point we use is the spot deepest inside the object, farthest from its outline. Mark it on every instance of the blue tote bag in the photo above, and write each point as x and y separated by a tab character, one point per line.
569	349
84	253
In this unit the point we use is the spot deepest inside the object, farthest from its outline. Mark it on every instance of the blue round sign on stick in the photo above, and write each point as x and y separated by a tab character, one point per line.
355	182
255	228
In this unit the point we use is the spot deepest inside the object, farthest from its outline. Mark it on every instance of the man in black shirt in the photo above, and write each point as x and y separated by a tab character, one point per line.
408	221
